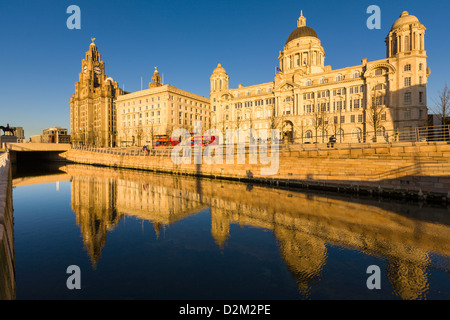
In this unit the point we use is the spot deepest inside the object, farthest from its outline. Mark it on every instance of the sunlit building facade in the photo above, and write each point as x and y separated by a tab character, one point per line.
158	110
309	101
92	106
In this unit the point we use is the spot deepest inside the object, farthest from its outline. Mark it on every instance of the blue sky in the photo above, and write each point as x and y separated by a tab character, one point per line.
40	58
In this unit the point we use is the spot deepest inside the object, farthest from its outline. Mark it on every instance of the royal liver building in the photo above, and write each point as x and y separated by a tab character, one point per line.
308	101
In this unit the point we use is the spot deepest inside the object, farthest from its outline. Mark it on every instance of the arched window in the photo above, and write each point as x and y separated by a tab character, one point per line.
356	74
381	132
308	134
308	83
323	80
322	134
339	77
357	134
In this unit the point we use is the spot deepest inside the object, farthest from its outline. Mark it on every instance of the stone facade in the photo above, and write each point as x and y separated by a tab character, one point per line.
7	260
309	101
92	106
158	110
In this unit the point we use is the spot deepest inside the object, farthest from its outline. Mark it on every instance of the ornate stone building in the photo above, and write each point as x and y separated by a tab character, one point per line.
158	110
309	101
92	106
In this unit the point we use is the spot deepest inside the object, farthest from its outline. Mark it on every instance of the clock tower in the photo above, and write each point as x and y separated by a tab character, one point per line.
92	106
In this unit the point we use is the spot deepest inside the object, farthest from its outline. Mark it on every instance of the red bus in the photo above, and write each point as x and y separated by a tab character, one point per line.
165	141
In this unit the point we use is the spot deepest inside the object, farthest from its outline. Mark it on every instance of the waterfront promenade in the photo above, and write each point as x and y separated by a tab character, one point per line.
416	170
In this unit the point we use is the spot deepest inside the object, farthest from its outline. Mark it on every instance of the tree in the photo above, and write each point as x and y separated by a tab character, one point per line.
442	105
273	120
139	133
316	122
323	121
375	111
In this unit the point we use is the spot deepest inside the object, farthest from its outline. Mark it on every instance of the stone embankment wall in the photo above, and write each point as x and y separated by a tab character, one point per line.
407	170
7	264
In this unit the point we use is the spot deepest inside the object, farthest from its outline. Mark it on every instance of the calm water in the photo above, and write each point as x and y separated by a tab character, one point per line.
139	235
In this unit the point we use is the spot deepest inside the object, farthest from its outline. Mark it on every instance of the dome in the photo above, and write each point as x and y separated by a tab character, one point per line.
301	32
405	18
219	69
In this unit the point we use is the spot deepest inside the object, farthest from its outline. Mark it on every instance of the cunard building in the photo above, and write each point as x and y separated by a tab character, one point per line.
309	101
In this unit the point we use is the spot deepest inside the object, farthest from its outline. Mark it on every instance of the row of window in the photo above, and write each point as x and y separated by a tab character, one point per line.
171	97
339	77
336	92
407	67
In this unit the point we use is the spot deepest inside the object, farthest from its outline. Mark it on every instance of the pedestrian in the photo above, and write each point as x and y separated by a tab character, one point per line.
331	141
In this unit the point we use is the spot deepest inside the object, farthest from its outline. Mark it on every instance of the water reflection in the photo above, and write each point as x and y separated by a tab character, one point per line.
303	224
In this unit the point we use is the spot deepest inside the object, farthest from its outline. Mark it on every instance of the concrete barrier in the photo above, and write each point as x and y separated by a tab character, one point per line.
7	261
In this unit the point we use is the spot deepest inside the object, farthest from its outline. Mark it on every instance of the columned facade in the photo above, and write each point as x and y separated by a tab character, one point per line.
309	101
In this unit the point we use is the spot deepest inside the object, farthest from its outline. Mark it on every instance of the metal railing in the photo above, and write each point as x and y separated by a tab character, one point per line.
356	139
360	139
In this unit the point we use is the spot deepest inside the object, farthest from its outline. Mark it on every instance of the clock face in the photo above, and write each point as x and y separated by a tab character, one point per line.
85	69
97	70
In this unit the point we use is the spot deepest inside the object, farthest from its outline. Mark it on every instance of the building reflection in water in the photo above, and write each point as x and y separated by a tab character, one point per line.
303	224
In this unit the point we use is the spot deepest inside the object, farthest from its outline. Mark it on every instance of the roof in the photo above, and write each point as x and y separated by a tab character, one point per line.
300	32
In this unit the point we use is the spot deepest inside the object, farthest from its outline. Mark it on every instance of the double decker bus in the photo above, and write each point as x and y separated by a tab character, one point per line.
164	140
193	140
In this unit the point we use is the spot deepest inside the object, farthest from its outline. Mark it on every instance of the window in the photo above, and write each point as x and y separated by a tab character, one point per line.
339	77
353	118
420	66
407	47
420	97
308	135
407	98
356	74
379	72
323	81
308	83
360	118
407	67
407	115
408	82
